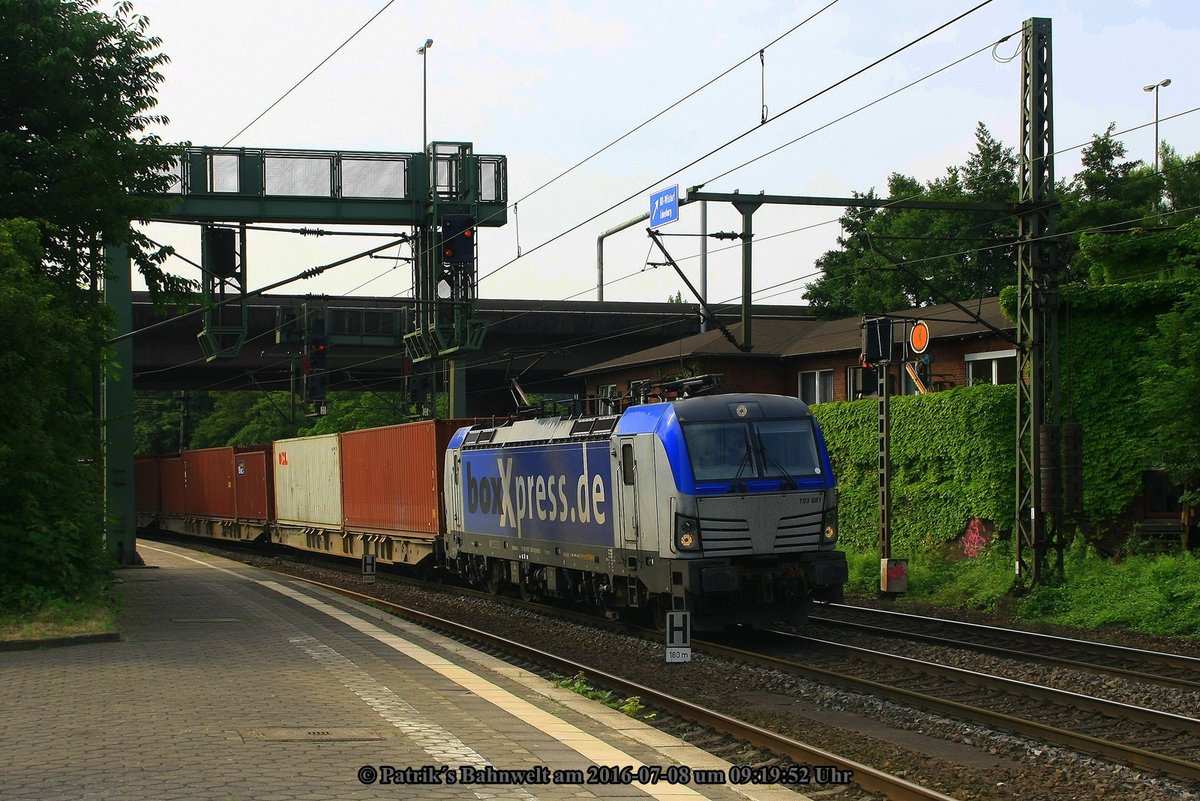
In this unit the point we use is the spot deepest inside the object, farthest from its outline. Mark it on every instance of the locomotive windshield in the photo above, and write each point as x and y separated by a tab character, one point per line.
733	450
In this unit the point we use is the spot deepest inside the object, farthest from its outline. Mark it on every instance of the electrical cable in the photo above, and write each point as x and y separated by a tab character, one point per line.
746	133
309	74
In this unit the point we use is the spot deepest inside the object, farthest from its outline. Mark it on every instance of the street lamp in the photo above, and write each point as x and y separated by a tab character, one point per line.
422	50
1154	87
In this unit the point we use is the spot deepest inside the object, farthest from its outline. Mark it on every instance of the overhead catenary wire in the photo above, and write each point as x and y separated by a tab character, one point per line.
514	204
310	73
747	132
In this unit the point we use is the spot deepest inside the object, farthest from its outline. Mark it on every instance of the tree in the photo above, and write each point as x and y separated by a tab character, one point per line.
1181	179
50	520
1123	222
75	156
244	418
892	258
76	166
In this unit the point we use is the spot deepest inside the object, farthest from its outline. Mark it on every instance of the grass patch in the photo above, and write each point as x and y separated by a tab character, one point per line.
62	619
631	706
1151	594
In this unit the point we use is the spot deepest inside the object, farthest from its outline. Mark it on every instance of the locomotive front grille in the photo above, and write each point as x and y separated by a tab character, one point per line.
741	525
799	533
725	537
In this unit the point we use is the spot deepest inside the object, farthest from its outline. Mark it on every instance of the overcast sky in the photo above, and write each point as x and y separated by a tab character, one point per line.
548	83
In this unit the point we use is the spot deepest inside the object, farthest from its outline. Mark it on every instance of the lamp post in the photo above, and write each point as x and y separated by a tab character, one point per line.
423	50
1154	87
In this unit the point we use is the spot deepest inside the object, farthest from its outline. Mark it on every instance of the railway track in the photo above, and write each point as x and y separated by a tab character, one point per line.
1135	664
865	777
1147	738
1168	744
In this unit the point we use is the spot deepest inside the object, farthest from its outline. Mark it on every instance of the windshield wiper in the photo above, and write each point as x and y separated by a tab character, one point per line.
737	484
768	457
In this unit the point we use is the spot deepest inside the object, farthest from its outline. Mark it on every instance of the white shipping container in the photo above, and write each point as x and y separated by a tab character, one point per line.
308	490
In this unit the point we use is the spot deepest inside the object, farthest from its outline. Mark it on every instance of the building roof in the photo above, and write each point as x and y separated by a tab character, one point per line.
778	339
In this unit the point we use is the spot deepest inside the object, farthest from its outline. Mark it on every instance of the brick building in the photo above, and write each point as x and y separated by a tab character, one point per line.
819	361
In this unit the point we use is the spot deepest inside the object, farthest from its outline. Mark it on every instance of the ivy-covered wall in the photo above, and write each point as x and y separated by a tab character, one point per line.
953	453
953	459
1103	333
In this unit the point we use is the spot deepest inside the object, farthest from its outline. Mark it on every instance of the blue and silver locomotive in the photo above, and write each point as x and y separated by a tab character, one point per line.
721	505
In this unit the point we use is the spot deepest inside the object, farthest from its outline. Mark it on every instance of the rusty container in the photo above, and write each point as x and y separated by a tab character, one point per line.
147	489
254	483
308	487
391	477
172	485
210	491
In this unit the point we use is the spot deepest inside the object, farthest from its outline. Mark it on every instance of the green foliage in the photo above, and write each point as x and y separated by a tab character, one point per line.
351	411
156	422
631	706
50	521
1106	367
952	460
1169	370
898	258
1142	254
939	577
1154	594
75	103
254	417
1128	372
244	418
982	583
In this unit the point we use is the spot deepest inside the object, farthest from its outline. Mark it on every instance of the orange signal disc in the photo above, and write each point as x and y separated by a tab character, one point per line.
918	338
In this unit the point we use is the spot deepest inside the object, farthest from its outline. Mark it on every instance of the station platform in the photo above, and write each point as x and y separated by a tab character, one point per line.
231	683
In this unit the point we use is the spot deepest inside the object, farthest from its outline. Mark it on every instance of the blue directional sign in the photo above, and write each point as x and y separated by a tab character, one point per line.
664	206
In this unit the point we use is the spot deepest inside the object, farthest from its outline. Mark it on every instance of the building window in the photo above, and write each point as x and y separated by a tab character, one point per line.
993	367
607	393
861	382
816	386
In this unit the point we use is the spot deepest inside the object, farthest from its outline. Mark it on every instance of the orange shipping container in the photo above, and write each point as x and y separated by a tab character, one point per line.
391	477
174	490
210	492
146	486
254	481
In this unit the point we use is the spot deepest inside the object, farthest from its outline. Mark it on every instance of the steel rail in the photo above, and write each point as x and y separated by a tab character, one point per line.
1030	728
1099	651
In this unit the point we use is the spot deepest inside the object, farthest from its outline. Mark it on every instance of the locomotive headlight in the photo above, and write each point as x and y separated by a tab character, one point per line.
830	532
687	533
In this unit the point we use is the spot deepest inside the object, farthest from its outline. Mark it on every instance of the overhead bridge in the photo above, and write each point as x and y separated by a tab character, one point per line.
537	341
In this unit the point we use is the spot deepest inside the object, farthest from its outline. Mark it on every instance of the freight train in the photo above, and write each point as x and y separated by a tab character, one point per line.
721	505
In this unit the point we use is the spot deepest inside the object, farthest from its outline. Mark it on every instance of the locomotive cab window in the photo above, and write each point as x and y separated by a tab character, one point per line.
627	464
731	450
